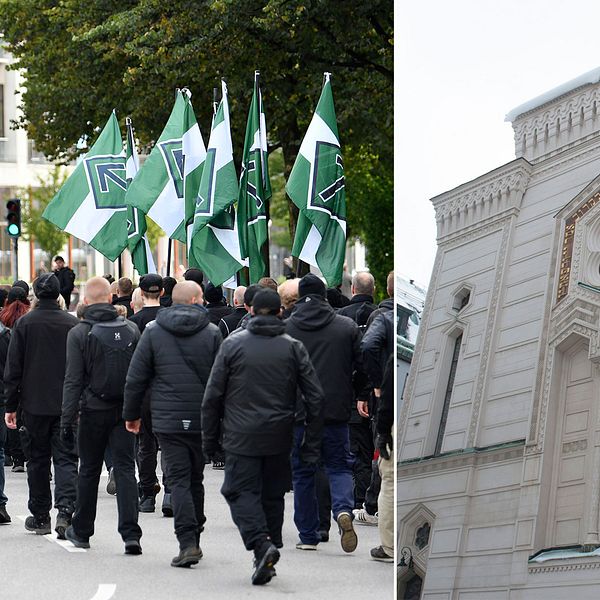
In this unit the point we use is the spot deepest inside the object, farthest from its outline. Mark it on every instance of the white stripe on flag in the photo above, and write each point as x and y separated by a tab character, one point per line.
221	140
230	283
318	131
87	221
149	258
228	238
311	244
193	149
168	209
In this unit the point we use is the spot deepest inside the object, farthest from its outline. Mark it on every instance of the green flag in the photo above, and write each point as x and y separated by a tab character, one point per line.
316	186
91	204
255	188
215	245
158	189
194	153
136	219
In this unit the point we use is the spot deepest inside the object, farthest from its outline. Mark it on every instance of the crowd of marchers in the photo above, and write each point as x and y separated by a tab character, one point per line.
290	388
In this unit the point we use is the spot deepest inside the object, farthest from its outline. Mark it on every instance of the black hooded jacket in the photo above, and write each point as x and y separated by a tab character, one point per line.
173	360
218	310
359	308
35	366
253	384
80	363
333	344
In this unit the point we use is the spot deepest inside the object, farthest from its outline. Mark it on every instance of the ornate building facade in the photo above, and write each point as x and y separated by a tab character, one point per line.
499	432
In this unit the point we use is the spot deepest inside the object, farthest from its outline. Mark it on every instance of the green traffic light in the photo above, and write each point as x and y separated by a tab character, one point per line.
13	229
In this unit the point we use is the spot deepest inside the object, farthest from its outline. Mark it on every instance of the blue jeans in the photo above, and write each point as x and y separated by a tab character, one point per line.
3	498
338	462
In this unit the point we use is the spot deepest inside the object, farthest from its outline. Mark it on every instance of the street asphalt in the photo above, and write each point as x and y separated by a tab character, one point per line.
36	567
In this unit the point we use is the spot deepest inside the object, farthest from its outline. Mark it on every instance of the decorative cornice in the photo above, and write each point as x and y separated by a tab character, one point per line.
567	120
466	458
591	564
473	203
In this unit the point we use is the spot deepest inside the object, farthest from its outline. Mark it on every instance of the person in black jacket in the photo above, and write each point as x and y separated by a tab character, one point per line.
4	341
333	344
99	349
173	361
151	287
168	284
361	304
230	322
150	290
66	278
33	382
124	291
254	384
215	303
385	445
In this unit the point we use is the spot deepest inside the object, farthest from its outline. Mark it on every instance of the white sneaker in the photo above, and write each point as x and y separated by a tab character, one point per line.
362	517
301	546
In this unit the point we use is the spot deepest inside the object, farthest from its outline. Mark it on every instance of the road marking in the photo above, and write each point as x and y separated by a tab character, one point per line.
52	537
105	591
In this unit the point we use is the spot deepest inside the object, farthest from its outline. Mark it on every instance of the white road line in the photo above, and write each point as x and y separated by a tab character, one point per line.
52	537
105	591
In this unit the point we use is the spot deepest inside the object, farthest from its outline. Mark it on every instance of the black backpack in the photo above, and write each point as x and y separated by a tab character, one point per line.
110	346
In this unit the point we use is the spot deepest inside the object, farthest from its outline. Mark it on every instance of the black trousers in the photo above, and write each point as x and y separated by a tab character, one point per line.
13	442
323	498
45	446
361	445
147	450
184	461
372	492
254	487
98	428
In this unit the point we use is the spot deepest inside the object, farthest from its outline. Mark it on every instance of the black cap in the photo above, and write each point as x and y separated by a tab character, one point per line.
213	293
311	284
151	283
266	300
46	286
23	285
16	293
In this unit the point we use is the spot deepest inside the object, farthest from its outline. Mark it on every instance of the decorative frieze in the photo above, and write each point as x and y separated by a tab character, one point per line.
562	122
475	203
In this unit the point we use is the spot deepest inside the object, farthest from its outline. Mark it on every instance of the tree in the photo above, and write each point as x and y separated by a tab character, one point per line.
84	58
33	202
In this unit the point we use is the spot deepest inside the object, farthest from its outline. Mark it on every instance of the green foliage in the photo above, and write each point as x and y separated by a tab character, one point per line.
84	58
33	202
278	206
370	194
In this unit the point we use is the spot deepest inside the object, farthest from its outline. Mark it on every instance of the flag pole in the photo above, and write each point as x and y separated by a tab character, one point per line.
169	257
265	250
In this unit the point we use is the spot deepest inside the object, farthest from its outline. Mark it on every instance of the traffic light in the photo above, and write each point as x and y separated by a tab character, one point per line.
13	218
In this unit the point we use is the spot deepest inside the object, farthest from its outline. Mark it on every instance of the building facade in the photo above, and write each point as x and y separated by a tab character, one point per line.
499	432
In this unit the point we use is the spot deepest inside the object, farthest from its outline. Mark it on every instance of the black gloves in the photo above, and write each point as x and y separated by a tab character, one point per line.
67	437
209	451
384	443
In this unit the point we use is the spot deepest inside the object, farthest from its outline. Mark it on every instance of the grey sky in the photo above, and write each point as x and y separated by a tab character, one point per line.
461	66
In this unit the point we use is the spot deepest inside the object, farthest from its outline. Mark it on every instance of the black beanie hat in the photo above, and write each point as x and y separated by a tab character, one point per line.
266	299
213	293
311	284
46	286
16	293
23	285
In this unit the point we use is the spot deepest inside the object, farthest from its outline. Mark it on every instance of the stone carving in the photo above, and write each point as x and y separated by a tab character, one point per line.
576	446
473	204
